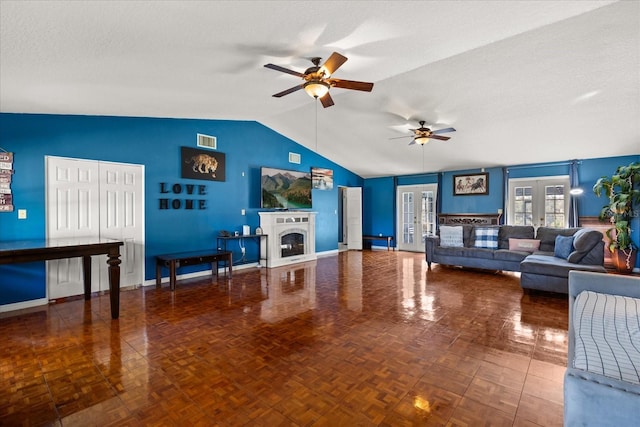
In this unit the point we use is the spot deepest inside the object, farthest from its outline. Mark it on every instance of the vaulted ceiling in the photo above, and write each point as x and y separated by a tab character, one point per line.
521	81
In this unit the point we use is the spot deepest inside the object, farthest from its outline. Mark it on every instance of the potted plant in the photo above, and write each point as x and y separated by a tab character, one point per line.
623	193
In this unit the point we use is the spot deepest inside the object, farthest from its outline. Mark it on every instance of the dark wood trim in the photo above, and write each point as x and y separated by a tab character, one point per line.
469	218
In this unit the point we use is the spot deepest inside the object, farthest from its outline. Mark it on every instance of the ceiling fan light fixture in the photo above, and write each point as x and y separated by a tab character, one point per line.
421	140
316	88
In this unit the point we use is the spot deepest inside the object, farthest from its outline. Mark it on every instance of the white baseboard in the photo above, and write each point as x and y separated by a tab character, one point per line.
327	253
22	305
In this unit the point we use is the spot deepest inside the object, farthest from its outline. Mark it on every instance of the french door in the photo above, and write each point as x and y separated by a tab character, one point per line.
416	215
539	202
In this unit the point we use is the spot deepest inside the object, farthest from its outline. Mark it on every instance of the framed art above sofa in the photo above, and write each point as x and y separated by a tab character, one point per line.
471	184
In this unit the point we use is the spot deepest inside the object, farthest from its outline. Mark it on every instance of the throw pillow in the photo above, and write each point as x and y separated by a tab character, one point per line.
451	236
524	245
563	247
487	237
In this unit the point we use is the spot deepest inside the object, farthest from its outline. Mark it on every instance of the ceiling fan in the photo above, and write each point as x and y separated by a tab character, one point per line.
423	134
318	81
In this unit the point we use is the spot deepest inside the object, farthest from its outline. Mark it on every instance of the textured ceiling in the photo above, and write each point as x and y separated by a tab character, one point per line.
521	81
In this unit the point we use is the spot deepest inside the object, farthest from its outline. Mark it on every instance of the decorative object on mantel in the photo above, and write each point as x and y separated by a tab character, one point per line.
202	164
471	184
619	188
322	179
6	172
469	218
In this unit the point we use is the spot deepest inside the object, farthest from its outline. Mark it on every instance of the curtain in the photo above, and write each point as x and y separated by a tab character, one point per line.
505	201
573	199
439	199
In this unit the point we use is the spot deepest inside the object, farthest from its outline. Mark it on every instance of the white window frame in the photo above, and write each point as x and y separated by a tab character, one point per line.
538	184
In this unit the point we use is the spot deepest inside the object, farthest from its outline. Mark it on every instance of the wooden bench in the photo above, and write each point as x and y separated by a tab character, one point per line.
183	259
387	238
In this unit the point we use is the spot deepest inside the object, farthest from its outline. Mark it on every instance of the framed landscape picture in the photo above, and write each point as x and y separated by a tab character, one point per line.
471	184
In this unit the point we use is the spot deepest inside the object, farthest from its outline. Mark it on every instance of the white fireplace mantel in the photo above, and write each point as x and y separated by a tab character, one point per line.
279	223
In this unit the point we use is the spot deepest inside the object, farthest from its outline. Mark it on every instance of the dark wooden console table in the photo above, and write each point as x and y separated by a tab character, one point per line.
223	240
19	251
387	238
182	259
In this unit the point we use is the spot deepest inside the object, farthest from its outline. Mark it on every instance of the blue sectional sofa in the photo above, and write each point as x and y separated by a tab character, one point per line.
602	380
540	267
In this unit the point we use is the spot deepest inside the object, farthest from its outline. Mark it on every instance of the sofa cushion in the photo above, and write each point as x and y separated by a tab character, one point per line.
482	253
547	236
606	341
486	237
514	232
468	235
563	247
546	265
526	245
507	255
451	236
450	251
583	242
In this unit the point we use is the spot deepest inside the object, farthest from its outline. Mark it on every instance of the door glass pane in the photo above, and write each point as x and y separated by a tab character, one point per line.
554	202
428	214
407	217
523	206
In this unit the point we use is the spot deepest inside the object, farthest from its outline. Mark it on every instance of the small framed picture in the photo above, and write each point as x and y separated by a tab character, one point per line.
471	184
322	178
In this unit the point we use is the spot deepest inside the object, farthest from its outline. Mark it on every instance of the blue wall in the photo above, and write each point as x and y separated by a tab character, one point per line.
154	143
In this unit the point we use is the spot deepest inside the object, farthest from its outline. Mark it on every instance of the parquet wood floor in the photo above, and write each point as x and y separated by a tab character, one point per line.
357	339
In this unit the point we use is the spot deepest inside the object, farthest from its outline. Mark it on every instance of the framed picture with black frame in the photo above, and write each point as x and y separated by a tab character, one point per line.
476	184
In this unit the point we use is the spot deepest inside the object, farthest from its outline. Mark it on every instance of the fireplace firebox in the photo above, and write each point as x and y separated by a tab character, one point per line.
292	244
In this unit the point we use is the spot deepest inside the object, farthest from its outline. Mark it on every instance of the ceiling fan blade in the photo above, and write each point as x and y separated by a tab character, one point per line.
284	70
441	138
350	84
402	137
326	100
333	63
288	91
443	131
413	141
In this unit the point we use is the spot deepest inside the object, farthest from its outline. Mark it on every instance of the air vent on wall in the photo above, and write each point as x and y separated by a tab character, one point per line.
207	141
294	158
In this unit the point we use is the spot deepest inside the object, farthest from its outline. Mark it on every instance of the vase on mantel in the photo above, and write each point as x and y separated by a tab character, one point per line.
625	259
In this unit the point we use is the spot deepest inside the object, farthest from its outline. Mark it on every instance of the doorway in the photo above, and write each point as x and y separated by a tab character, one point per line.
94	198
416	215
350	218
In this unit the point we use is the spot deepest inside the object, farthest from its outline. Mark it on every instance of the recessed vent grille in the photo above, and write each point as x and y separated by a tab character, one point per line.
207	141
294	158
